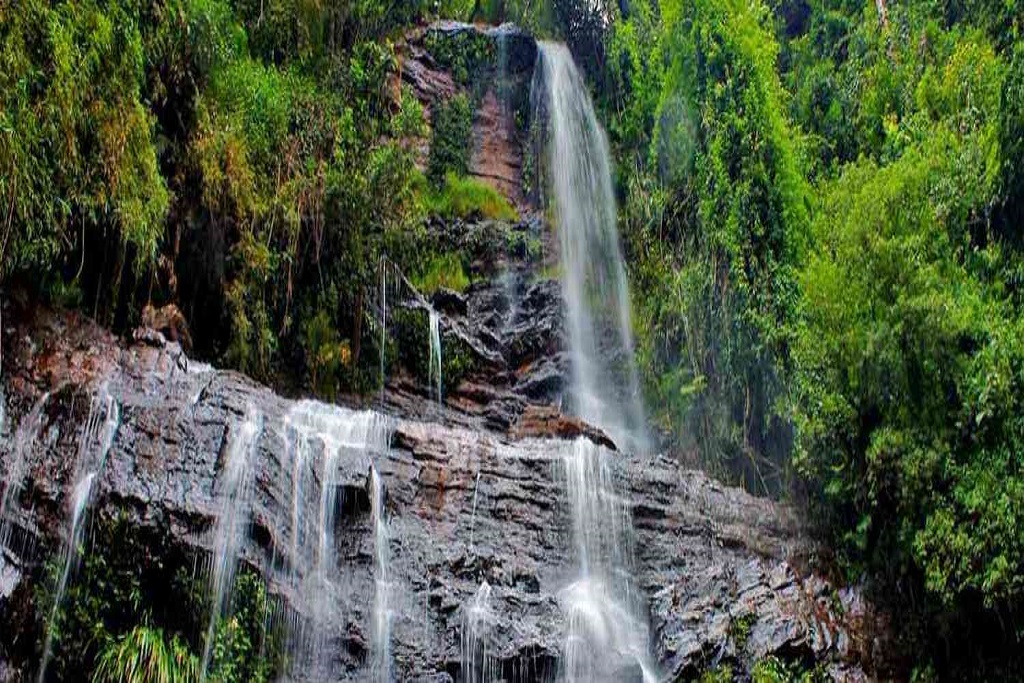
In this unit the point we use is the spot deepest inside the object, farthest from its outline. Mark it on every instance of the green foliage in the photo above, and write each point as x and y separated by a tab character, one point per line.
907	343
326	353
739	630
443	270
244	650
467	55
720	674
133	612
716	216
771	669
467	198
121	583
254	147
77	152
825	254
143	655
450	143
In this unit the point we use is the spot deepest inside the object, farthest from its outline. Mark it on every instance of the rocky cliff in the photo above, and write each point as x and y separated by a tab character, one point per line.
722	573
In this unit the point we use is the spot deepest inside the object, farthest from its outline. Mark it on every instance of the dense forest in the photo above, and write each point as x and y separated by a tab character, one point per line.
820	203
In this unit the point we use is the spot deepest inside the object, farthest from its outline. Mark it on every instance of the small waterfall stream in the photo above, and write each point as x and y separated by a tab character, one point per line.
382	582
14	478
231	528
90	464
607	639
478	619
434	369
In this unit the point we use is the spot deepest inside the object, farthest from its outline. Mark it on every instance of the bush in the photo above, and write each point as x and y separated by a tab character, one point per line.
443	270
468	198
451	142
78	157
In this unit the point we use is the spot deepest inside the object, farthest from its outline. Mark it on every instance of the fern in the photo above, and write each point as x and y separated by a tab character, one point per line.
144	655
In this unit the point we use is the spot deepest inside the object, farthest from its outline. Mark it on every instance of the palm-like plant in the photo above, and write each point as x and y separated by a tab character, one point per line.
144	655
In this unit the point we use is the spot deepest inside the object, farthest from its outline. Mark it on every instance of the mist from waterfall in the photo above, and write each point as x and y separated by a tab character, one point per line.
605	385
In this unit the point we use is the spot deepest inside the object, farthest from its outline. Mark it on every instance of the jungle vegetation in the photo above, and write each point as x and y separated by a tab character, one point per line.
821	203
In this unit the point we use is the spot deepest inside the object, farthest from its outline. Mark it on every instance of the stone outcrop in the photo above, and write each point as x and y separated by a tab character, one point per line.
724	573
548	421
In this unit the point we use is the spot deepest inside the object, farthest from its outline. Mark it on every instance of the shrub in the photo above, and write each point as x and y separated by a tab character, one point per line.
442	270
461	197
450	144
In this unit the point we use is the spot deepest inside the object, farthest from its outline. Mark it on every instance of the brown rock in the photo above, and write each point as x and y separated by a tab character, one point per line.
549	422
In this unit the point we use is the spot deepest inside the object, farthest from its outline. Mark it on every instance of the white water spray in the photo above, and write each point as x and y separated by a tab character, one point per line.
332	432
24	440
79	501
478	622
605	386
607	638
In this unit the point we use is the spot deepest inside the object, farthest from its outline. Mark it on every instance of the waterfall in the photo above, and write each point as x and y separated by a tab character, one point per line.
382	581
24	440
478	621
335	433
607	637
472	518
90	465
79	500
232	518
434	367
605	386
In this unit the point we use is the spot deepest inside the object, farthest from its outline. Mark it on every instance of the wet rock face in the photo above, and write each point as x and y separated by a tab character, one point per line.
718	568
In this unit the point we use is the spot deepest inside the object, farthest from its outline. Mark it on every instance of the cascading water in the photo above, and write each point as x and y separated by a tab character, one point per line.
607	637
593	275
478	621
382	581
434	368
79	501
24	440
90	463
231	527
336	433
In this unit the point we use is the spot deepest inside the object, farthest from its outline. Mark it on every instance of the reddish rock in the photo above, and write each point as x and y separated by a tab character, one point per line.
497	152
548	422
